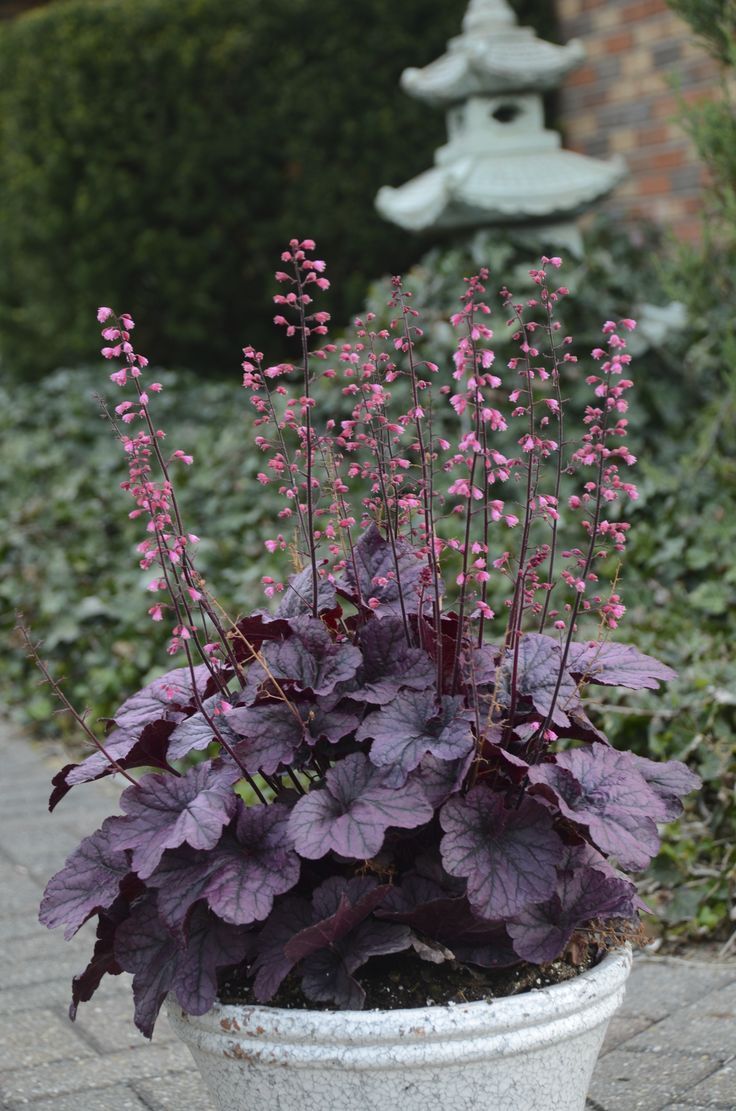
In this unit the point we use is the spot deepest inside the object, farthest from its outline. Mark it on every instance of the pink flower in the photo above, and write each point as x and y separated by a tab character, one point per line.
104	313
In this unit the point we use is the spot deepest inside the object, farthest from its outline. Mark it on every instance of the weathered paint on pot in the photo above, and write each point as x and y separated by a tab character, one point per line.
530	1052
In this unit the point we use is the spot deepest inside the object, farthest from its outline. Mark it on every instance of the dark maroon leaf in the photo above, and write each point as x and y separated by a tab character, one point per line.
581	728
351	814
343	938
88	882
166	700
251	633
412	725
309	659
389	663
541	932
328	974
508	856
271	965
374	574
449	920
298	596
539	663
338	906
196	732
617	665
252	864
601	790
165	811
162	964
103	962
150	751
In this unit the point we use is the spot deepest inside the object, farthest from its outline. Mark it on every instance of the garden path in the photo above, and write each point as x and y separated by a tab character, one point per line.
672	1047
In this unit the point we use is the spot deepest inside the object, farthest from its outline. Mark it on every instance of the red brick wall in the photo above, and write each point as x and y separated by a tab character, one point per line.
620	101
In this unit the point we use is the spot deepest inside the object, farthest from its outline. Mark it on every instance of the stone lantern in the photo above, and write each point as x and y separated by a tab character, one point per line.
500	164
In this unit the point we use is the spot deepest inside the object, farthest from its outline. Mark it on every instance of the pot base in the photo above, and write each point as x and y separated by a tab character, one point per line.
532	1052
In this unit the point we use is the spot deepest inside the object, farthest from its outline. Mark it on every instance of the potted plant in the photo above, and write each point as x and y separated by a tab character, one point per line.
379	853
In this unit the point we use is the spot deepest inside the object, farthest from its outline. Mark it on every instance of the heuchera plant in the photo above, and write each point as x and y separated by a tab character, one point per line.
376	765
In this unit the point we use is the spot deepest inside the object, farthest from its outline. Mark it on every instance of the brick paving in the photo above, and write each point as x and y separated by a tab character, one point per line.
672	1047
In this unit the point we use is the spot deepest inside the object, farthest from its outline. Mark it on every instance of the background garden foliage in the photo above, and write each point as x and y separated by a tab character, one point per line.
194	126
162	152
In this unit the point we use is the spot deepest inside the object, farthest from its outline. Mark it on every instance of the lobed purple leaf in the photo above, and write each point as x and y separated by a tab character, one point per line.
601	790
187	967
271	964
272	731
373	574
88	882
309	659
541	932
389	663
508	856
617	665
539	663
299	594
412	725
351	813
252	864
165	811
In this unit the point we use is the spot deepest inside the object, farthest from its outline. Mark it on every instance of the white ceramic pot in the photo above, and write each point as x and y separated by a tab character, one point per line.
530	1052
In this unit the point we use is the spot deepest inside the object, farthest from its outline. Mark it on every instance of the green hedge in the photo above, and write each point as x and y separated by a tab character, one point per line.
156	156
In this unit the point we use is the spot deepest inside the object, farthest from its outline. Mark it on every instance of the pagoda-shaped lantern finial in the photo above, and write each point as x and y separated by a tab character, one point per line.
500	164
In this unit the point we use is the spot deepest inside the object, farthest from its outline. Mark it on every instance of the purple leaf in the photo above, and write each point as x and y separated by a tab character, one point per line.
541	932
411	726
165	811
239	878
441	778
309	659
539	662
374	574
88	882
338	906
161	963
617	665
508	856
273	733
351	814
196	733
297	599
334	724
389	663
479	667
669	781
601	790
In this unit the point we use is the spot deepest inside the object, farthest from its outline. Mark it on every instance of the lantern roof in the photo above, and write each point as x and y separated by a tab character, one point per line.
492	55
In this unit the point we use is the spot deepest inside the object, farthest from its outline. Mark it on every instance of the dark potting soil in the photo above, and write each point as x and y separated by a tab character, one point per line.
391	983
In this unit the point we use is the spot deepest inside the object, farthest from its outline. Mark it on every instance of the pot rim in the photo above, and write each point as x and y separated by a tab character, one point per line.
439	1022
